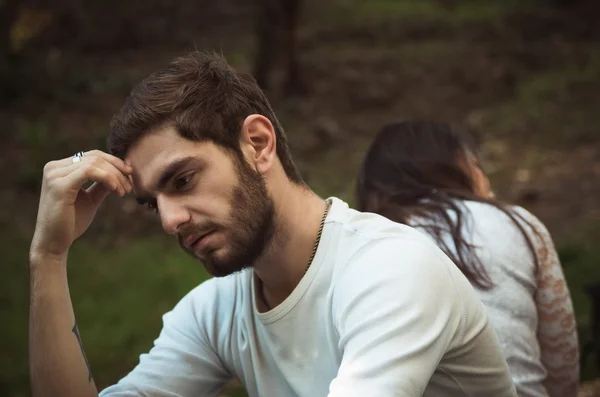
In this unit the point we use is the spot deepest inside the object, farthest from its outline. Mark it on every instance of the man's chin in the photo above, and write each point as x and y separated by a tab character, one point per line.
217	268
199	257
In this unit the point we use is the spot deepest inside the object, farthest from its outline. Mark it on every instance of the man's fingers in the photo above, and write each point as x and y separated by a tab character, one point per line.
82	173
98	192
89	156
101	159
115	161
124	186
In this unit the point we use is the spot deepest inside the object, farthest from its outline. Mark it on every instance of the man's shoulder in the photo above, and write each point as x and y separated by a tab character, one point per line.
371	244
366	224
372	233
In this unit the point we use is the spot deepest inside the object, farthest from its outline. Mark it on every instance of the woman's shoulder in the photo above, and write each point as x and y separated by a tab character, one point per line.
491	210
502	219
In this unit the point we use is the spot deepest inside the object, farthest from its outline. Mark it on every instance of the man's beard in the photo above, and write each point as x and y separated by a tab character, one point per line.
249	231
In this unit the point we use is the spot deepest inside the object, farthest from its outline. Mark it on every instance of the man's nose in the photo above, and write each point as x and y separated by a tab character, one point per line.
172	214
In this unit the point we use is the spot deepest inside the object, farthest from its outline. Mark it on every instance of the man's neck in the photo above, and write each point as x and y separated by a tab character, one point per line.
299	212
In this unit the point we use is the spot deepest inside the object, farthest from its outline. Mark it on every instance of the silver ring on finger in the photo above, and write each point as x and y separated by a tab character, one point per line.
77	157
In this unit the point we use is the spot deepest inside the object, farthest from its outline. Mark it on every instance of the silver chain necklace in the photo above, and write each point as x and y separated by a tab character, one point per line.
312	255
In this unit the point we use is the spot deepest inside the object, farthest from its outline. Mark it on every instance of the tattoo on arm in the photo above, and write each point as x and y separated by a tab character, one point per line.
76	332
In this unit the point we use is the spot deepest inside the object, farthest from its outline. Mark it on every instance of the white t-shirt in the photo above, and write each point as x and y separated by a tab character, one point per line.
380	312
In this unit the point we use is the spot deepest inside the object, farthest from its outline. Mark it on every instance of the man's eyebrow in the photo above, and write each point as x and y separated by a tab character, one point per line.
170	170
166	175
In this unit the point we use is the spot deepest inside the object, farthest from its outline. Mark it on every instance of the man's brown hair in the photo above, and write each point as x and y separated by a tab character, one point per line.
203	98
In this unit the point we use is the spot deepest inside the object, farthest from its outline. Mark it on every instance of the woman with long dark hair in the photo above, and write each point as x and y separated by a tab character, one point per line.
427	175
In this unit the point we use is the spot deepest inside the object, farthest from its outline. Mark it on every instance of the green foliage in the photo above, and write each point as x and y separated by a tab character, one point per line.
580	256
38	141
554	107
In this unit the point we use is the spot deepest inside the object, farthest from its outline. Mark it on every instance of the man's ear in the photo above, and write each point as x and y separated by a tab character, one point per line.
258	142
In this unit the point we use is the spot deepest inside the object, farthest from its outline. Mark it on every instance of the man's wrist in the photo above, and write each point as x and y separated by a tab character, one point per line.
39	260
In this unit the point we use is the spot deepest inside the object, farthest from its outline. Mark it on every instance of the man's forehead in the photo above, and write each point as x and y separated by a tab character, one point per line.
152	153
155	144
150	167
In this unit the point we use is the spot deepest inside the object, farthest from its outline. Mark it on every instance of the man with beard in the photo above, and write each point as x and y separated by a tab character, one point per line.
310	298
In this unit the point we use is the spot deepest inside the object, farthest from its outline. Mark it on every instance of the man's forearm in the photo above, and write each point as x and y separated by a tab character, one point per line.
57	362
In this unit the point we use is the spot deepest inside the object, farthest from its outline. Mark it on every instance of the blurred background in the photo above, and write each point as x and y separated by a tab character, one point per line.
522	76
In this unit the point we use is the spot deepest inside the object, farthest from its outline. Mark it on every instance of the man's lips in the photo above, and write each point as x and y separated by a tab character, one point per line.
192	240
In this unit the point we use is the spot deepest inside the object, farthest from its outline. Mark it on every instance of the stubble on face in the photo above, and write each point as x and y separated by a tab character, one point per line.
249	229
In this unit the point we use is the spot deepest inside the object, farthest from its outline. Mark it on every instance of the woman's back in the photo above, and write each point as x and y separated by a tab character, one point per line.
427	173
529	307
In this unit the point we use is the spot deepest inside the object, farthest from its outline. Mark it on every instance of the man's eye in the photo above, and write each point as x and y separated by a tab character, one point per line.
181	182
152	206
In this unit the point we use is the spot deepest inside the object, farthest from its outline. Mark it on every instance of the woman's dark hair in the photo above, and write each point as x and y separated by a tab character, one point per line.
419	172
